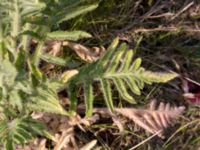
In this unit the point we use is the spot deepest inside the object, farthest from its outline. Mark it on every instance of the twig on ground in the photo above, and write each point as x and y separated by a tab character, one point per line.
182	10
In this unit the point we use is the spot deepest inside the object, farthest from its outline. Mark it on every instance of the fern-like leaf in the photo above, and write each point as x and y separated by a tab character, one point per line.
20	92
19	131
46	100
117	65
152	120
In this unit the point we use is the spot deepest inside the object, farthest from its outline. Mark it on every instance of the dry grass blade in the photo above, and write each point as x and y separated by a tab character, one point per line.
166	29
152	120
85	53
183	10
144	141
89	145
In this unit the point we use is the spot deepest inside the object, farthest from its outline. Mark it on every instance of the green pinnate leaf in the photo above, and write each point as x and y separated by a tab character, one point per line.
117	66
19	131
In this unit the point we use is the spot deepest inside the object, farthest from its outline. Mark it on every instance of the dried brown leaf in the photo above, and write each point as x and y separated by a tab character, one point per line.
52	47
64	139
118	123
85	53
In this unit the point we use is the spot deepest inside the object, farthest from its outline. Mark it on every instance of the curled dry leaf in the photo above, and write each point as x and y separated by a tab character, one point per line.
191	91
85	53
64	139
152	120
52	47
118	123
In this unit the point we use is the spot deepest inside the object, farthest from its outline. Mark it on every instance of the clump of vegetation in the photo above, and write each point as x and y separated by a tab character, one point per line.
37	35
24	88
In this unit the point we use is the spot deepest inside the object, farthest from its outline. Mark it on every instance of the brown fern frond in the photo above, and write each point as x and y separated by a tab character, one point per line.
152	120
